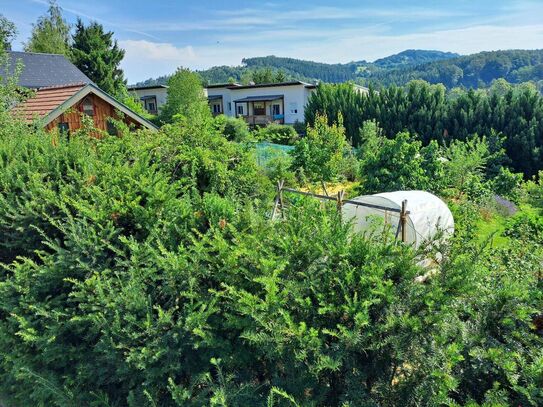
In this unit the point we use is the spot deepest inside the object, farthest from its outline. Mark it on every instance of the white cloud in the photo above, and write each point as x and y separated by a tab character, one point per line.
144	59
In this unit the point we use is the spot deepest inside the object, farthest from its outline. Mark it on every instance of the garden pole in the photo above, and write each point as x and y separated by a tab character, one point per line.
403	220
340	195
280	194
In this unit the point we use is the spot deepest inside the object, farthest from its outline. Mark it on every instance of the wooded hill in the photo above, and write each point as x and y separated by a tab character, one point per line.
470	71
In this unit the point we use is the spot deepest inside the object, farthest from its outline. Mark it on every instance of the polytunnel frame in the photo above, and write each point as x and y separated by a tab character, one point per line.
279	205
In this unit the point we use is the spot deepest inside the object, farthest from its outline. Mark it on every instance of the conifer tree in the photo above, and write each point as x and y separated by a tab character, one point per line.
98	55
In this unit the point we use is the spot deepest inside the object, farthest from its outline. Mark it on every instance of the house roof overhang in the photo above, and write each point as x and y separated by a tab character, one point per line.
143	87
263	98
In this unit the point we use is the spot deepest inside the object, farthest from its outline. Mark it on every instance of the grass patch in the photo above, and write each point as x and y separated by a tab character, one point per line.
492	224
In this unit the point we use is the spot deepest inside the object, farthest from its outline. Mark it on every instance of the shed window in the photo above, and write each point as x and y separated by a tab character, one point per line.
64	128
88	106
111	128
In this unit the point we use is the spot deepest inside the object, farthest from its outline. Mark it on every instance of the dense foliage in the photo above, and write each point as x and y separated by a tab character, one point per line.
427	111
413	57
51	33
471	71
98	56
184	91
320	153
143	270
8	32
304	69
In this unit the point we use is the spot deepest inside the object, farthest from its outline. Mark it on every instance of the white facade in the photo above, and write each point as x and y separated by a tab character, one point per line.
152	97
261	104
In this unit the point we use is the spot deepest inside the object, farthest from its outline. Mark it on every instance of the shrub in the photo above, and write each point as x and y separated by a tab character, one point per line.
278	168
534	190
233	128
143	271
527	227
321	152
397	164
508	184
277	133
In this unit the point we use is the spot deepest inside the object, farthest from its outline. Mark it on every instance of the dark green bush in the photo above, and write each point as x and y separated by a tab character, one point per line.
144	271
233	128
277	133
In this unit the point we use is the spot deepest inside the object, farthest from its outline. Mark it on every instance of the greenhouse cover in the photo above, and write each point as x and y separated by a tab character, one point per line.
428	215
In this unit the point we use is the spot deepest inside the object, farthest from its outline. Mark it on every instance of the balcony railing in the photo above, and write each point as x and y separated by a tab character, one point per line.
262	120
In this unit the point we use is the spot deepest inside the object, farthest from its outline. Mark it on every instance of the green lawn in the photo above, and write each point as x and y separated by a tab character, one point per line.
493	225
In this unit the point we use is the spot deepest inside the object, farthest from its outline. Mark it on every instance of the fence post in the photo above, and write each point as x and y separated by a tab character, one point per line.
278	199
280	187
403	220
340	195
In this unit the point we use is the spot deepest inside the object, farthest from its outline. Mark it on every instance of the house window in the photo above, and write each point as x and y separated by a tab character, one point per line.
276	110
240	109
64	128
229	106
150	103
87	106
216	108
259	109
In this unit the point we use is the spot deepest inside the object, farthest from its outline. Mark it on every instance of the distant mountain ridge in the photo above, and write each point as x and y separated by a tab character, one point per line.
476	70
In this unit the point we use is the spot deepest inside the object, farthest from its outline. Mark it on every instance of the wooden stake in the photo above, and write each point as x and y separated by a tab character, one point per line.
280	187
278	199
324	188
340	196
403	220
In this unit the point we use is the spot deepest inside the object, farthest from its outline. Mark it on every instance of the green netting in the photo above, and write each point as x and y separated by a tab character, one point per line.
266	151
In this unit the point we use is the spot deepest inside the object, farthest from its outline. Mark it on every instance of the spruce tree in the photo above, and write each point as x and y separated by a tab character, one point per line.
96	54
51	33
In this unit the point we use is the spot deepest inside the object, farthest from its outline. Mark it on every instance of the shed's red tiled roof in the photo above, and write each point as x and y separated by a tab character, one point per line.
45	100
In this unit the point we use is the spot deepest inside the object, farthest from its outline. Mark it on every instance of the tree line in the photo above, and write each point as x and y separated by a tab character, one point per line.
469	71
512	115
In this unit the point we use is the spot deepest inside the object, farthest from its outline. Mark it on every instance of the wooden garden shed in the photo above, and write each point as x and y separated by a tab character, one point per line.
62	107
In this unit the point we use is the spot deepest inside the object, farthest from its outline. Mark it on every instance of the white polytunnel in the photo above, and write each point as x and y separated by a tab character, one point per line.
428	215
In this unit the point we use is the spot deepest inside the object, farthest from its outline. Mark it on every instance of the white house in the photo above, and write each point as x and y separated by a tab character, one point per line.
282	103
152	96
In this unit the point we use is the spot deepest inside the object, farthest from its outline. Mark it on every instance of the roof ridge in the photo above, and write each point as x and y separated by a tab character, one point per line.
37	53
67	85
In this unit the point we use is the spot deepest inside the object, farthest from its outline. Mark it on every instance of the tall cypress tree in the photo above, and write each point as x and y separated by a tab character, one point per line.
96	53
51	33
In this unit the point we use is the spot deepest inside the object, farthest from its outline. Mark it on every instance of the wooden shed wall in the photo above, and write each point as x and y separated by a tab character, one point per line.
102	110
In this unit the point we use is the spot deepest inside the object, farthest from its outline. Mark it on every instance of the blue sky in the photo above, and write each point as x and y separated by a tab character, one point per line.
159	35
